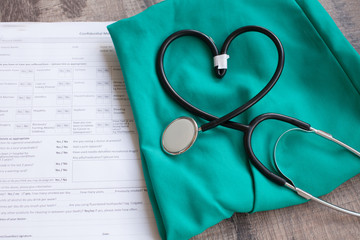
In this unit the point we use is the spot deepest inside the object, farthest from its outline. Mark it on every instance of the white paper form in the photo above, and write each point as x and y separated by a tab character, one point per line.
69	156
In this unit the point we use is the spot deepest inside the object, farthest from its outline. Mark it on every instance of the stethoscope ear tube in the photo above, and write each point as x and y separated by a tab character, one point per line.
290	184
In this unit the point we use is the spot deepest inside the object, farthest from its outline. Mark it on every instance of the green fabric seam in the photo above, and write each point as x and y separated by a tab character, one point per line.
153	200
253	185
327	45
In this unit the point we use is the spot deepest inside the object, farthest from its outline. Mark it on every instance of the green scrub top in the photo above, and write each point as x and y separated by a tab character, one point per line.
319	85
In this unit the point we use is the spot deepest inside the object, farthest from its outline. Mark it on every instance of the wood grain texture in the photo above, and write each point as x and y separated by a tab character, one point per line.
73	9
306	221
19	10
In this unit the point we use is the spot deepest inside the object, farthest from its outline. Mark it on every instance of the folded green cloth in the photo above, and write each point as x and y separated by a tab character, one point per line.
320	85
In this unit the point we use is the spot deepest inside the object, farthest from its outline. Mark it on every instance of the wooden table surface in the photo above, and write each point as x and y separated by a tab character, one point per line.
306	221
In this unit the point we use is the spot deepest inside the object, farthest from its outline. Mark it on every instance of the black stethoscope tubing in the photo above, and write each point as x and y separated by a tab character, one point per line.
248	130
225	120
215	121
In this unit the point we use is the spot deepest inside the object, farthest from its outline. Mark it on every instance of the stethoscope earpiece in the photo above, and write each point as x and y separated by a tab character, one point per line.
179	135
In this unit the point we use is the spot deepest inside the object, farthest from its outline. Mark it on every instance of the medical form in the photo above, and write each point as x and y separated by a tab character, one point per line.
70	165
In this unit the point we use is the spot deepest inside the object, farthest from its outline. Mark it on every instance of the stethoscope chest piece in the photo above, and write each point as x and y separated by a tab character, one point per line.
179	135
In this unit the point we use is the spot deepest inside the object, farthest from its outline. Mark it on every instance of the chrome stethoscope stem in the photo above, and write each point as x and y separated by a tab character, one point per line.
331	138
308	196
289	184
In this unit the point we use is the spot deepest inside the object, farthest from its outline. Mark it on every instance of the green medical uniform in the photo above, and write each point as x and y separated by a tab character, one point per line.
320	85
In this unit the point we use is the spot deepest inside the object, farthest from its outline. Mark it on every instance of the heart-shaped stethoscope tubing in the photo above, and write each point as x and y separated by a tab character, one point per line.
215	121
181	133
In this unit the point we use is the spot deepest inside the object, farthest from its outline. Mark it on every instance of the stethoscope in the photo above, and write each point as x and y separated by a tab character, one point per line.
181	133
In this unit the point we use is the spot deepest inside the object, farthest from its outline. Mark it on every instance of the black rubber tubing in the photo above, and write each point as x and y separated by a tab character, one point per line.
248	147
225	120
